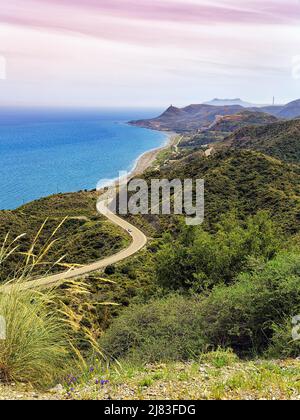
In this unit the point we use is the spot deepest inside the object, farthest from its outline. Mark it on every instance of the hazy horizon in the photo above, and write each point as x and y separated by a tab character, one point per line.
142	53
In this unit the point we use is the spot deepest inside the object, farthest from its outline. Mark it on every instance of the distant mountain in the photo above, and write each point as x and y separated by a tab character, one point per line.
231	123
229	102
280	140
188	119
291	110
271	109
195	118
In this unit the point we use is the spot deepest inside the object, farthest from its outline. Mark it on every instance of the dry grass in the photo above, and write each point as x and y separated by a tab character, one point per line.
42	332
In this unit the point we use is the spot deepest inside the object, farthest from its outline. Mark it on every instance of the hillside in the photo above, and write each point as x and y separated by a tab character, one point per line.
231	123
143	317
190	118
240	180
84	237
290	110
224	125
280	139
199	117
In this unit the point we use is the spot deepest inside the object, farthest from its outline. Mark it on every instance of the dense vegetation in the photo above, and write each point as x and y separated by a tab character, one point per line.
236	277
241	181
281	140
200	260
255	314
224	126
235	289
164	329
195	140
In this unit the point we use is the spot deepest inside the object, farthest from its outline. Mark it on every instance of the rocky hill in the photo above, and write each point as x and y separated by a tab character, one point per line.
231	123
200	117
188	119
224	125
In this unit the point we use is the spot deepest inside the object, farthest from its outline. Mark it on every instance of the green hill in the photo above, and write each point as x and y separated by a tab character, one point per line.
84	237
224	125
231	123
242	180
281	139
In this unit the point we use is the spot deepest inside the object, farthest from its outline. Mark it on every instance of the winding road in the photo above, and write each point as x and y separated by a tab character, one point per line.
139	240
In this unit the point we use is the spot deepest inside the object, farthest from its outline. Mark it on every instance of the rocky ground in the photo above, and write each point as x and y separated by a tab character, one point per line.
216	377
24	392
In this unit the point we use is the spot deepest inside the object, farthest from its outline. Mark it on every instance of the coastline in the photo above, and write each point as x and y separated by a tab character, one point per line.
137	167
144	161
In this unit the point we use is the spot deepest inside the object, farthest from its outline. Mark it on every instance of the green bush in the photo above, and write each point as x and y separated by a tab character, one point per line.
242	316
163	330
220	358
282	343
201	260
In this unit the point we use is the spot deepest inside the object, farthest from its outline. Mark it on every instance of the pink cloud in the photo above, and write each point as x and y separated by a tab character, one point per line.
160	47
58	13
265	11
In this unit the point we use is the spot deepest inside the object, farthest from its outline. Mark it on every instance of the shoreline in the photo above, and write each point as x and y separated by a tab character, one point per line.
142	163
145	160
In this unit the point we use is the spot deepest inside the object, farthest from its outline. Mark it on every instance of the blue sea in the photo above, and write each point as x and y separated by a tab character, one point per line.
43	152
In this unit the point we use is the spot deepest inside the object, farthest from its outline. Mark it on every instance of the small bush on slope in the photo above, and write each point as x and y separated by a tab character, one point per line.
166	329
283	345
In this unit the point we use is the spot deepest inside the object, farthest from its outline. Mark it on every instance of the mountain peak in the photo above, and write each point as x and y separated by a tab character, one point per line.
172	110
229	102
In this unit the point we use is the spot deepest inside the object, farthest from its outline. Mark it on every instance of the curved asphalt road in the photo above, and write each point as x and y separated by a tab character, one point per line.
139	240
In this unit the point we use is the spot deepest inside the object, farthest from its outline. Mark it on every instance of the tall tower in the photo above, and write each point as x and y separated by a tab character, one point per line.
273	100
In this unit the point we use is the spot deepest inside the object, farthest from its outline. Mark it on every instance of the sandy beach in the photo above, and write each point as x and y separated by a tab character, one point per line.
143	162
147	159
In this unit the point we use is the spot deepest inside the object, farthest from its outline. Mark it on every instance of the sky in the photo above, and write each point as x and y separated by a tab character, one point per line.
148	53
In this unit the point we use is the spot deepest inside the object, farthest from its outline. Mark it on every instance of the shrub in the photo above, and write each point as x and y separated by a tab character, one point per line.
220	358
207	259
282	343
43	334
163	330
36	346
242	316
110	270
